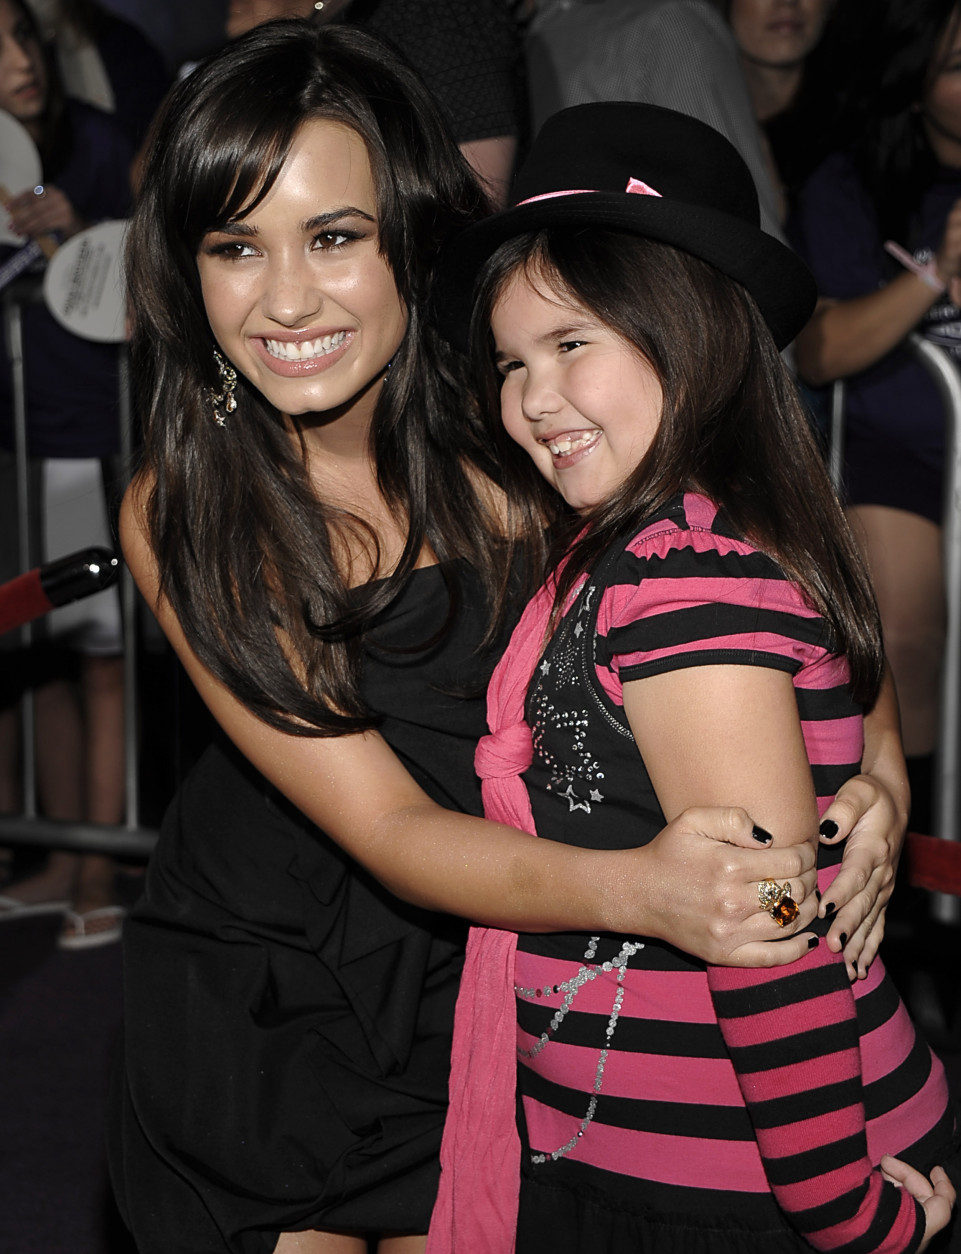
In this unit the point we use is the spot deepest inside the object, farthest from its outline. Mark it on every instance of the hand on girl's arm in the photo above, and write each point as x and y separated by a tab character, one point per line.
871	814
696	884
716	733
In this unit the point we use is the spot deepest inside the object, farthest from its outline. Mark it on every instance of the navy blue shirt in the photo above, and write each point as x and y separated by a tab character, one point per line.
72	403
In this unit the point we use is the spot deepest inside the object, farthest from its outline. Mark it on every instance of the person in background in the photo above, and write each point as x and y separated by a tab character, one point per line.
106	61
679	54
73	440
880	224
779	43
466	51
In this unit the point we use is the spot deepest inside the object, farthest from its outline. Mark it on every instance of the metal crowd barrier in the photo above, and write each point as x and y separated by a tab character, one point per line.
131	838
947	775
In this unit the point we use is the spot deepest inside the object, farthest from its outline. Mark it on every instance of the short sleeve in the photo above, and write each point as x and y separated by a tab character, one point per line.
690	597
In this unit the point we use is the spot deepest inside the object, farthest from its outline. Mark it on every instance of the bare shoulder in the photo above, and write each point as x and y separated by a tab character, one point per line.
135	533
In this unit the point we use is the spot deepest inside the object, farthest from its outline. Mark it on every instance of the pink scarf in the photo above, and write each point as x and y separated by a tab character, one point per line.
476	1210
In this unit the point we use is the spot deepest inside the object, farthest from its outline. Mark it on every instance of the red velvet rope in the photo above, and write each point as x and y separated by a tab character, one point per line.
933	863
22	600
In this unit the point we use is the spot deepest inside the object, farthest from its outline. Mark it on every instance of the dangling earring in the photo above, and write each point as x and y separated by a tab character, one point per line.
225	397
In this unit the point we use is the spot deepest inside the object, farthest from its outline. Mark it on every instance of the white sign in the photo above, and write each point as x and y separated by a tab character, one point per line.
84	285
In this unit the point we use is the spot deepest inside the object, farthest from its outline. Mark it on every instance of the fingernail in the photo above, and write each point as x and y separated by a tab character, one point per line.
829	909
855	965
817	893
828	828
761	835
844	941
812	942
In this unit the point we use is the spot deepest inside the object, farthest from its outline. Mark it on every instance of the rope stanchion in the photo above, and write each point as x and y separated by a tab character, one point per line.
933	864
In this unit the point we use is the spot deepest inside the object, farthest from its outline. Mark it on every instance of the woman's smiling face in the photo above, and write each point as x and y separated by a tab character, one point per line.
297	293
576	396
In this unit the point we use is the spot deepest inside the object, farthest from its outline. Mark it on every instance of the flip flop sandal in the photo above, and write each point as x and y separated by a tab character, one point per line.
14	908
92	928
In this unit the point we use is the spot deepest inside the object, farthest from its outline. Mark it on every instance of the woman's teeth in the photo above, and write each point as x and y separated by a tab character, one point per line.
563	444
287	350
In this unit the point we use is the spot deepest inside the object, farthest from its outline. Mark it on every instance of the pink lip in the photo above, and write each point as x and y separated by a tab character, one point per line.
788	26
299	369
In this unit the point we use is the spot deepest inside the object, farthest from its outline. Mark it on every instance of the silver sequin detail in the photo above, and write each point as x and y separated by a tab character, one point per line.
570	988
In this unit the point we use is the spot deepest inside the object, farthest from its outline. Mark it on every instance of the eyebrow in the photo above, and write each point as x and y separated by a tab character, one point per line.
319	222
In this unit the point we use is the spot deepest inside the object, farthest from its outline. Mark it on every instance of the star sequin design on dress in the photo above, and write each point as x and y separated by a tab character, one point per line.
548	710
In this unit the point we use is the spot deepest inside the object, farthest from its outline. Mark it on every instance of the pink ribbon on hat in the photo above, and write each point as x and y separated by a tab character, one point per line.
641	189
634	186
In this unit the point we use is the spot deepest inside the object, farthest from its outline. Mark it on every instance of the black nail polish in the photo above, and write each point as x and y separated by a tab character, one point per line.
761	835
817	894
844	941
812	942
828	828
829	909
855	965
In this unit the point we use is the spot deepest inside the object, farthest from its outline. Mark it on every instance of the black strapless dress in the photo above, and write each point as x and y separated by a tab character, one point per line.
288	1021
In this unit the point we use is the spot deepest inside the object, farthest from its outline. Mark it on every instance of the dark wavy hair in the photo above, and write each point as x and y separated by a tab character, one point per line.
888	49
243	544
731	427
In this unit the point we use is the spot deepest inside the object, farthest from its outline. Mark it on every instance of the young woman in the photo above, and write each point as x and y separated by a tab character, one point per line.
897	179
322	539
706	635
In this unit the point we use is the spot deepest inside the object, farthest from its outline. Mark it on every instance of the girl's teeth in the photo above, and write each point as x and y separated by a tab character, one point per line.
565	443
307	349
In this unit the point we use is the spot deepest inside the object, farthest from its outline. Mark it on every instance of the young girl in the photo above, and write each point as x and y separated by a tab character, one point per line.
319	536
706	636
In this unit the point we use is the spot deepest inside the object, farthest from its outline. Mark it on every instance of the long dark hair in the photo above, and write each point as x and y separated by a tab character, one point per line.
888	49
242	542
731	427
56	132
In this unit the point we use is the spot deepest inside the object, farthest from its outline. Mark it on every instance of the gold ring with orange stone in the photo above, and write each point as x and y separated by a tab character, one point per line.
776	899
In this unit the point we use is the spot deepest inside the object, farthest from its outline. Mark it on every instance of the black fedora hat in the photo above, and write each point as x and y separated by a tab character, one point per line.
652	172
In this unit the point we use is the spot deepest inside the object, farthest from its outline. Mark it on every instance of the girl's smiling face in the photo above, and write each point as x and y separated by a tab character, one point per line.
297	293
576	396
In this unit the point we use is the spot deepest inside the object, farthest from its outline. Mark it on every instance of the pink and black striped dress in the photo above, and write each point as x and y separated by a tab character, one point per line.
667	1106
